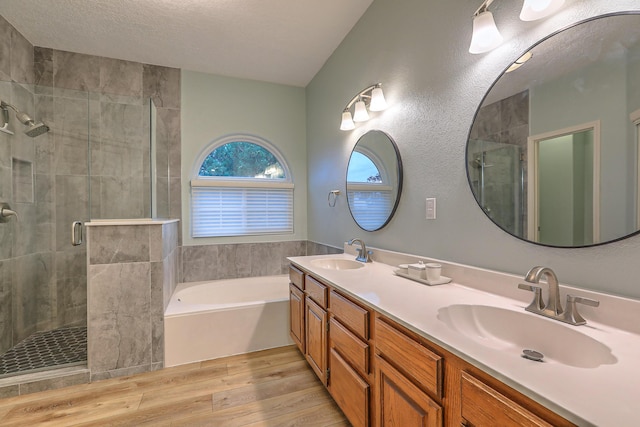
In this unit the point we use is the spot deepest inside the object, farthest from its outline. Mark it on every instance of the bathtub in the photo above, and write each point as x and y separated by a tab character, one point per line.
207	320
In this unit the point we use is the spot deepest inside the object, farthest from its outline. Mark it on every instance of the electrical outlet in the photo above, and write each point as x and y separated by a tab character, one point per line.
431	208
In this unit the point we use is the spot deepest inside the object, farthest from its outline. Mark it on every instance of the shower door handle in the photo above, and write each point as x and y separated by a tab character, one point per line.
76	233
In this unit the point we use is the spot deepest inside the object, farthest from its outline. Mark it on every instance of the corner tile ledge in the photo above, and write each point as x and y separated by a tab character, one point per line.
141	221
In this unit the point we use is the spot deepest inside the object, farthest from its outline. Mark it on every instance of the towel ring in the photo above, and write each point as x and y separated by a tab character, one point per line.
332	200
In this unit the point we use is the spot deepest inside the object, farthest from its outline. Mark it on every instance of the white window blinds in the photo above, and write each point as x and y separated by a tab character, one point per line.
370	203
240	208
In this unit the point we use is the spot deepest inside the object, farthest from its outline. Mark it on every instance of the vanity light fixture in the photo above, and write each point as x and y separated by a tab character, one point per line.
486	36
371	98
533	10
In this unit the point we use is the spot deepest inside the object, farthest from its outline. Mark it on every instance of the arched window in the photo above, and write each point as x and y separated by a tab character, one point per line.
241	186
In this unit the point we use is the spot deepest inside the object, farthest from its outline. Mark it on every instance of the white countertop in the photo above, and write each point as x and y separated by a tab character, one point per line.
606	395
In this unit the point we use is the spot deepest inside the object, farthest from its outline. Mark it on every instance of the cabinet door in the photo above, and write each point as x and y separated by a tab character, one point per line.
350	392
482	406
296	316
316	338
400	402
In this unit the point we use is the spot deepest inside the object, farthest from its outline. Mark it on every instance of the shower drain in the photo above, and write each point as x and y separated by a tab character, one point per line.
532	355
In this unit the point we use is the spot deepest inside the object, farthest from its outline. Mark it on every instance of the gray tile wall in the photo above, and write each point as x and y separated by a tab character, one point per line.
27	258
119	92
228	261
133	269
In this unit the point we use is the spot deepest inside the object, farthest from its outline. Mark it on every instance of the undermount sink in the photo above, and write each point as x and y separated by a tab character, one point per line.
336	264
513	331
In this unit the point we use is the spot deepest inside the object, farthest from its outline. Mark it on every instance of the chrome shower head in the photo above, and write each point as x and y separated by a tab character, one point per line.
33	129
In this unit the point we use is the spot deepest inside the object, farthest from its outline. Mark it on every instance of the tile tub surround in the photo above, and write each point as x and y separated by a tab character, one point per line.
601	396
132	272
231	261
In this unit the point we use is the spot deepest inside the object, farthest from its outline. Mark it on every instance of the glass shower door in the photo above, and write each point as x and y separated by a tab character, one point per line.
45	180
498	176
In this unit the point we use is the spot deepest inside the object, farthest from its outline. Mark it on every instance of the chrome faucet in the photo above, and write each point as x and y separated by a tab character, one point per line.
553	308
363	253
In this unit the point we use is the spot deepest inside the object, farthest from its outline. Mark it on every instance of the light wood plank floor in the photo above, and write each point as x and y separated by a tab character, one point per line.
267	388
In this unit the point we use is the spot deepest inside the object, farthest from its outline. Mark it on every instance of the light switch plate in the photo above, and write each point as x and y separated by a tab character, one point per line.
431	208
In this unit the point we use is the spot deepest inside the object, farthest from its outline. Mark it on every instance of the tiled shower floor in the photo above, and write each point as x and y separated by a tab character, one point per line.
44	350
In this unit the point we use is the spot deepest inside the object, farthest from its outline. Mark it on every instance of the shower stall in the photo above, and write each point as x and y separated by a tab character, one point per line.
497	172
66	157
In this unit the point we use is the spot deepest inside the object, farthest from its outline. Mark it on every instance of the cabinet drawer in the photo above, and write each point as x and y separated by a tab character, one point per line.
350	392
349	346
484	406
316	290
352	315
417	361
296	277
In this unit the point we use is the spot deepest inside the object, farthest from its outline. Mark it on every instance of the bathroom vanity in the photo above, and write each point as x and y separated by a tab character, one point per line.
393	352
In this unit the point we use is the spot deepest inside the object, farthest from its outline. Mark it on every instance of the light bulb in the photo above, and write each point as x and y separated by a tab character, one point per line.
538	9
347	122
485	33
378	103
360	114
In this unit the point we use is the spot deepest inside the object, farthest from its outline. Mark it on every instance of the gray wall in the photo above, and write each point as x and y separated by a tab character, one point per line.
419	51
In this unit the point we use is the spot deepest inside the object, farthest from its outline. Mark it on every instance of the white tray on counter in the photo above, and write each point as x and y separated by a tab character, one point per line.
441	281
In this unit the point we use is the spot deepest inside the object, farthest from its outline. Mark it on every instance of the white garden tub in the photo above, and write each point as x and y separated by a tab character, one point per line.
207	320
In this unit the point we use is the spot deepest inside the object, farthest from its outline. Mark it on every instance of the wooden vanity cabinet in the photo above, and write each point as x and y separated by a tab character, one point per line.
482	405
316	326
409	378
296	307
401	402
350	359
316	338
382	374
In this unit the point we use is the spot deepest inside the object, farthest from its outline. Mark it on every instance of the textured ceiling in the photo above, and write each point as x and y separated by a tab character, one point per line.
279	41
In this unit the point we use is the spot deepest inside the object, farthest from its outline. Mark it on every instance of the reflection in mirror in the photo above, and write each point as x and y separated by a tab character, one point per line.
552	155
374	180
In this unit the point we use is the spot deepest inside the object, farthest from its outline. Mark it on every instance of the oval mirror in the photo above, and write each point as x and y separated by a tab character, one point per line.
552	155
374	180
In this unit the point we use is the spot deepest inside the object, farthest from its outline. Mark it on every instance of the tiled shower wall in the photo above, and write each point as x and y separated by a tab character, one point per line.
83	98
119	92
133	270
27	256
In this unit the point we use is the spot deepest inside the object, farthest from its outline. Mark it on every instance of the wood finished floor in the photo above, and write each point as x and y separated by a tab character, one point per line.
267	388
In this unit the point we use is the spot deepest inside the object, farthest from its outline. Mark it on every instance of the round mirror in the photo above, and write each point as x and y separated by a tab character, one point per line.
374	180
552	155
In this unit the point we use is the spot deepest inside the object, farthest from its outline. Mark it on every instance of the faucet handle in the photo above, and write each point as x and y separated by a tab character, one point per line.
536	305
583	300
571	314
